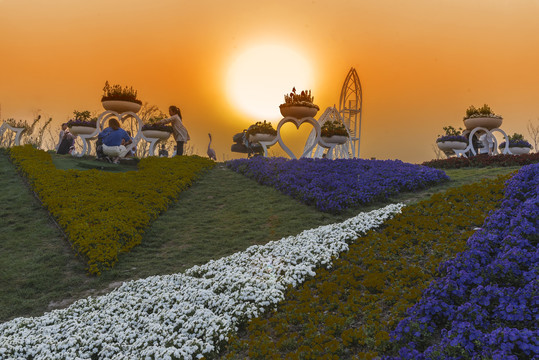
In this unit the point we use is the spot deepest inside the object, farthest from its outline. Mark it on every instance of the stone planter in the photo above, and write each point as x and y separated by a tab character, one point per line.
298	111
451	145
519	150
82	130
335	139
156	134
254	138
121	106
485	122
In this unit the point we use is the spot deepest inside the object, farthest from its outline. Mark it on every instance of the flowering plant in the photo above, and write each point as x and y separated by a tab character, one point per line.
153	124
484	111
331	128
261	128
302	99
82	118
18	123
116	92
314	181
516	140
452	134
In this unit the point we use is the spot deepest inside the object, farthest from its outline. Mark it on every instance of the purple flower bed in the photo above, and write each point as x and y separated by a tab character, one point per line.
485	305
335	185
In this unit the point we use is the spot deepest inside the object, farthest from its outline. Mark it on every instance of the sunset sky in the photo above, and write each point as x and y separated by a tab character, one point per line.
421	62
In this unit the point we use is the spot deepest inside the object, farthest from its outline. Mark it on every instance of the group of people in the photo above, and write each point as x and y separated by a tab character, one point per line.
112	142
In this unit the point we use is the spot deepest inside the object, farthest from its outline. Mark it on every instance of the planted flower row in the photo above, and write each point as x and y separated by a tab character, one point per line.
335	185
104	213
483	161
184	316
349	310
486	303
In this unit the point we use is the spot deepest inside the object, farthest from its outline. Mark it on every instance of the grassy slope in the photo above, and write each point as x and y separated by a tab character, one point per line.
222	213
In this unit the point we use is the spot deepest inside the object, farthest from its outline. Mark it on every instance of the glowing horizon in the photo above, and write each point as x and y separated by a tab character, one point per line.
421	64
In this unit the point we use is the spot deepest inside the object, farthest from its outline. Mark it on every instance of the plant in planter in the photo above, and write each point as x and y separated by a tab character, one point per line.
82	124
299	105
82	118
452	140
481	117
120	99
333	132
452	134
333	128
517	144
261	131
152	124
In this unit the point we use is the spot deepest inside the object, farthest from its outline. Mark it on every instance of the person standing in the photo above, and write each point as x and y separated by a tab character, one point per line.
180	132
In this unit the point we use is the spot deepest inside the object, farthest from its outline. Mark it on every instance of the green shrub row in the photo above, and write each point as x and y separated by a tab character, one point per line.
102	213
349	310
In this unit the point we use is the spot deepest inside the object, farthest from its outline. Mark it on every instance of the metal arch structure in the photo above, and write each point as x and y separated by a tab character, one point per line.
349	113
350	109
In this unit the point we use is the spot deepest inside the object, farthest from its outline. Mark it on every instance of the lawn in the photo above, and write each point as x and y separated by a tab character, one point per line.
222	213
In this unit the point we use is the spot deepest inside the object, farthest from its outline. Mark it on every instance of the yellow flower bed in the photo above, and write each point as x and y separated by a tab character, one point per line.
349	310
103	213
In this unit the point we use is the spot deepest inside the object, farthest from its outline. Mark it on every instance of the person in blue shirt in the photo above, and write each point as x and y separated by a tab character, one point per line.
115	140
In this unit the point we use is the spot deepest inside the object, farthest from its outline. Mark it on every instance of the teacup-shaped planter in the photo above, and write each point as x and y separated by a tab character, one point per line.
451	145
121	106
156	134
82	130
254	138
487	122
298	111
517	150
334	139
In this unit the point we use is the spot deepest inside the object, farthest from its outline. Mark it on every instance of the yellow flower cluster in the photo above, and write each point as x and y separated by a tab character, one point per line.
349	310
103	213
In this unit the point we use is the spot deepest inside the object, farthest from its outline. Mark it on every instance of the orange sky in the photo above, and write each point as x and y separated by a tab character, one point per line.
421	62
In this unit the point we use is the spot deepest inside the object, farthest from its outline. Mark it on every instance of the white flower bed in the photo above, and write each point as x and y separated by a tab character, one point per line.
183	316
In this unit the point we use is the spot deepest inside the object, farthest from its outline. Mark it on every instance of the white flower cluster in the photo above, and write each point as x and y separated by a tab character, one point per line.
183	316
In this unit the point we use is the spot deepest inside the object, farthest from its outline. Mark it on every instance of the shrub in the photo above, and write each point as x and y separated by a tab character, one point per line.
103	213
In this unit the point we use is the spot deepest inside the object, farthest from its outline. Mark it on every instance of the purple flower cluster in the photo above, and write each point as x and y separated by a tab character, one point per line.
452	138
486	304
335	185
519	143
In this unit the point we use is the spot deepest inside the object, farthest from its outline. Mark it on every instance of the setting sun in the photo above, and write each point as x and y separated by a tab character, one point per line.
259	77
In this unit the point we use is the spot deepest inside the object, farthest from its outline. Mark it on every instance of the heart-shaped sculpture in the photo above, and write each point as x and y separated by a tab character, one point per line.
298	123
295	138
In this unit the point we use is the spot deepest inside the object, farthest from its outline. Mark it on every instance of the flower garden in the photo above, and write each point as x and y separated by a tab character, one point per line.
101	213
430	280
335	185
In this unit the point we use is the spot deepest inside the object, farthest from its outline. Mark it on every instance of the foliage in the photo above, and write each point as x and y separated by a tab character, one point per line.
82	118
452	134
330	128
483	160
184	315
335	185
32	134
101	224
302	99
483	111
261	128
484	304
152	123
516	140
117	92
349	309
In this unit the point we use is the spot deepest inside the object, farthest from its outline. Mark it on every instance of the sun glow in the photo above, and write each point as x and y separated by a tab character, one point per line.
260	76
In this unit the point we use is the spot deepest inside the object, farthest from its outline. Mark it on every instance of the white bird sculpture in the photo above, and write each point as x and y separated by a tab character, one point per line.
211	152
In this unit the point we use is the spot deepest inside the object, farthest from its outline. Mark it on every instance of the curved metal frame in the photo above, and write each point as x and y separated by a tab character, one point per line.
490	139
18	131
298	122
121	118
350	109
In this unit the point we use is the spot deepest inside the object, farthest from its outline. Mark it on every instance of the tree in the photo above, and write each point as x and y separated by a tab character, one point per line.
533	130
